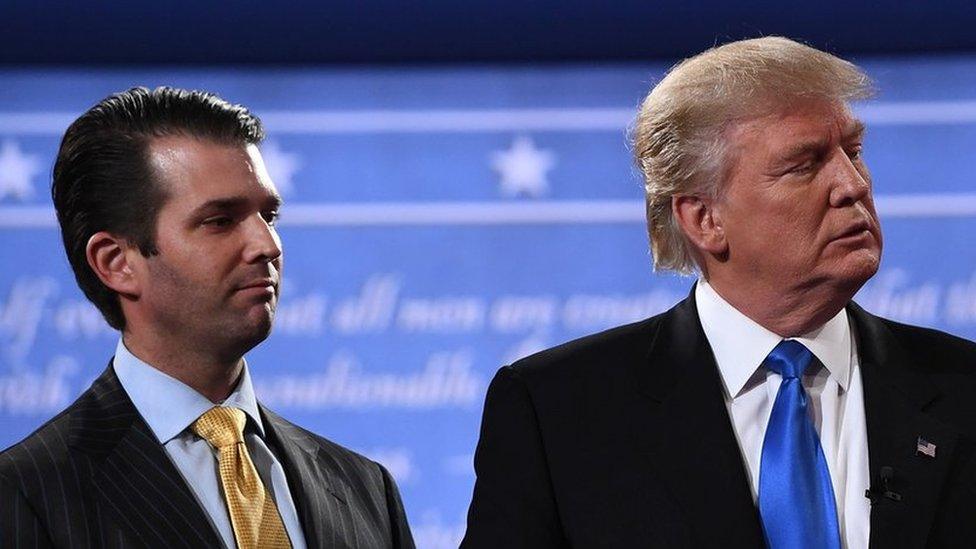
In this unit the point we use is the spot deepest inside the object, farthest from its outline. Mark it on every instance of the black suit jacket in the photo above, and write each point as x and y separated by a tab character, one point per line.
95	476
622	439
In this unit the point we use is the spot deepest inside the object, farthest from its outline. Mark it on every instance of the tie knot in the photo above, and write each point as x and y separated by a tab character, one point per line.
221	426
789	359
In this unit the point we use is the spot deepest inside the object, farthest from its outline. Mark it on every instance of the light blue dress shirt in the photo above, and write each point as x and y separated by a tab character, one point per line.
169	407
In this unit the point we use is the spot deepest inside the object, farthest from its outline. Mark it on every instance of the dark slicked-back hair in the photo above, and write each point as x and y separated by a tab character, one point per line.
103	180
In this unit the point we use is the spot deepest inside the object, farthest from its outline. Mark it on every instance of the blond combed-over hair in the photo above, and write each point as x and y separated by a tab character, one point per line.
678	139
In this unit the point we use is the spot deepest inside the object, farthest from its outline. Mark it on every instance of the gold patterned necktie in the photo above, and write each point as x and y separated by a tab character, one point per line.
253	513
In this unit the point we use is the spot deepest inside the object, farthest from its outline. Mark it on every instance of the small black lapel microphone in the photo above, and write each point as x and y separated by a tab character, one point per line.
887	479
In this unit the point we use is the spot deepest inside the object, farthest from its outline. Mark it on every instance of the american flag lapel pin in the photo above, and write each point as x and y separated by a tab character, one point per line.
925	448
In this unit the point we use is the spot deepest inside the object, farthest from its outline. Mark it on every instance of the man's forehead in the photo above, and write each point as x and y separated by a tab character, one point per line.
805	120
177	154
202	170
189	150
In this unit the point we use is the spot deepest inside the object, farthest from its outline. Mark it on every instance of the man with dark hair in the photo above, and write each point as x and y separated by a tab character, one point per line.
767	408
168	219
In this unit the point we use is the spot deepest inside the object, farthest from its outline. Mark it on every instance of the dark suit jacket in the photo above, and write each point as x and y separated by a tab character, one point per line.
95	476
622	439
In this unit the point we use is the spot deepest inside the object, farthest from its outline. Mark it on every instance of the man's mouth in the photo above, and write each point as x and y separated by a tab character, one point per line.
259	285
857	230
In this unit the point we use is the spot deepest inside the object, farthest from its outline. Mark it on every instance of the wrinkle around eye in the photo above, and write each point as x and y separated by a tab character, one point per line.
801	170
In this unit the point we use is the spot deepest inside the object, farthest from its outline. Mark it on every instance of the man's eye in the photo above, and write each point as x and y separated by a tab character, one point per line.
271	218
802	168
221	221
855	153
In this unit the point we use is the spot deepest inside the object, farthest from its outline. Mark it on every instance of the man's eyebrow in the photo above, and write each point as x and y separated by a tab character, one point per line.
806	148
856	129
273	201
226	203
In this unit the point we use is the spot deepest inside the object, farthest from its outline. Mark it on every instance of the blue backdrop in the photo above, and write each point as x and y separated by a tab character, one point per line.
442	222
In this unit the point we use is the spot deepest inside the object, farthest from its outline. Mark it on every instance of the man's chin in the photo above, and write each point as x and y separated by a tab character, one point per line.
262	323
254	327
858	267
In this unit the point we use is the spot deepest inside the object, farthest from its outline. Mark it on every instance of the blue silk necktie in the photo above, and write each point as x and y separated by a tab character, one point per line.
796	498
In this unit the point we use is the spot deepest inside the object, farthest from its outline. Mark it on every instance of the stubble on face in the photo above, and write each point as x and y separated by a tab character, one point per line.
213	286
221	321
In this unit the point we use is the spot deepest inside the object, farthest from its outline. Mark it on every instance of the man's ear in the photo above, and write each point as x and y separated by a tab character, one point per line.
701	223
110	257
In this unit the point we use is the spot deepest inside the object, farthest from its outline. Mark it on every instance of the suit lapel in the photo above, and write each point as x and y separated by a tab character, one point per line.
695	450
134	480
319	496
896	396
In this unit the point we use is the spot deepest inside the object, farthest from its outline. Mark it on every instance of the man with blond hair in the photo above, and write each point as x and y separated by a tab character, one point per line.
767	408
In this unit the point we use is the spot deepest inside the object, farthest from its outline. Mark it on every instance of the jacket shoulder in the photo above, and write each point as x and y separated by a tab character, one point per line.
936	349
41	454
946	344
600	350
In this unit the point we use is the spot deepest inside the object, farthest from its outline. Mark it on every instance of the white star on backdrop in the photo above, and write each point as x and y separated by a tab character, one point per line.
281	166
523	168
17	169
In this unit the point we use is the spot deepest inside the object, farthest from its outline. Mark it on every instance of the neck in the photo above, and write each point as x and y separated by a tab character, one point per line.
789	313
212	376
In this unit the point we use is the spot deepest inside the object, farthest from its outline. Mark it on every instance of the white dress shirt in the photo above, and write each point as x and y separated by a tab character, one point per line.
837	402
169	407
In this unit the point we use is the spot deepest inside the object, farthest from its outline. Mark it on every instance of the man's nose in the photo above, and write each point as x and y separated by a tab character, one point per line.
849	185
263	243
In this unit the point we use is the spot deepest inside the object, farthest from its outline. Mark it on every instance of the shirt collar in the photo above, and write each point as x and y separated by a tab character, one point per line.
168	405
740	344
